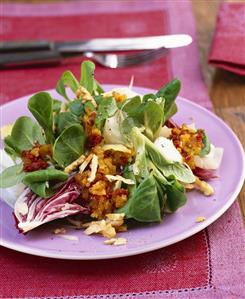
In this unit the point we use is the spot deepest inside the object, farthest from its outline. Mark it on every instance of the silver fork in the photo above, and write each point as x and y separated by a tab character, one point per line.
123	60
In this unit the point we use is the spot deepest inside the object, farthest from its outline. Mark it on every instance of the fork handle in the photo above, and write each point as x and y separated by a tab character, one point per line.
31	58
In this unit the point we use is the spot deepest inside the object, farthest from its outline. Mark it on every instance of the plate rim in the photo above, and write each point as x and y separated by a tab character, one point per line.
156	245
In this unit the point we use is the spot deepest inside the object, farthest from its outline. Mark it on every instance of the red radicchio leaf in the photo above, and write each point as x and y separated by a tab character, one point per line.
31	211
204	174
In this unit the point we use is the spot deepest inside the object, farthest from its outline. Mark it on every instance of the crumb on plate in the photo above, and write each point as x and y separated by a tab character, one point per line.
59	231
116	241
200	219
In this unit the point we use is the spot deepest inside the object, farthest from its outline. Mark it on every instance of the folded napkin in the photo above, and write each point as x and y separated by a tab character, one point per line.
228	46
207	265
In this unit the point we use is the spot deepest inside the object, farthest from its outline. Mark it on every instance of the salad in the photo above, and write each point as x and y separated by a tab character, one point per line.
102	159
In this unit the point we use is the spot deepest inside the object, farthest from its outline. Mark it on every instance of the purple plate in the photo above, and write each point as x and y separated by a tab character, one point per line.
174	228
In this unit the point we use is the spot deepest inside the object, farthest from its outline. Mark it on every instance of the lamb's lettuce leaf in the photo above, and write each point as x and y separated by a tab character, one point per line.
167	167
126	127
175	196
98	88
25	133
106	108
87	78
169	92
56	106
140	166
207	146
87	75
67	79
65	119
76	107
41	107
11	176
149	112
143	204
131	106
153	119
69	146
39	181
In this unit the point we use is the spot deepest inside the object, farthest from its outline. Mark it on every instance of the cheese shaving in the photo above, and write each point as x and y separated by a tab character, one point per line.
85	163
74	164
111	178
69	237
94	165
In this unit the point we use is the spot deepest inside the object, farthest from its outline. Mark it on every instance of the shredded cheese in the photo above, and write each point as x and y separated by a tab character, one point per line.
119	178
85	163
74	164
94	165
69	237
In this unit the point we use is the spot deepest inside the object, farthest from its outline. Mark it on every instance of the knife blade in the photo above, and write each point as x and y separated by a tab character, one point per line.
99	44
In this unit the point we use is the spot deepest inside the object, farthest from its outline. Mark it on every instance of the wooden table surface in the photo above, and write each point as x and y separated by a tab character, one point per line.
226	90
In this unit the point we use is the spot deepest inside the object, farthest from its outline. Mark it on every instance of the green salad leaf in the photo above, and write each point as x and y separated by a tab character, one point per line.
25	133
87	78
98	88
168	168
131	106
87	75
56	106
69	146
179	171
143	204
41	107
174	193
153	119
169	92
65	119
207	146
126	127
42	189
11	176
67	79
76	107
140	166
106	109
176	196
38	181
149	112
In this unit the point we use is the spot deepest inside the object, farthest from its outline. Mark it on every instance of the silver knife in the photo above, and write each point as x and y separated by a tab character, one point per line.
29	52
125	44
100	44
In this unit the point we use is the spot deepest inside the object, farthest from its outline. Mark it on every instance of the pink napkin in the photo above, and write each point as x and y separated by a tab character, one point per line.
207	265
228	47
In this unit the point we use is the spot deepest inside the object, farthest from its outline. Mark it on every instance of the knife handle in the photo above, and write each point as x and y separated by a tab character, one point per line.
31	58
23	46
